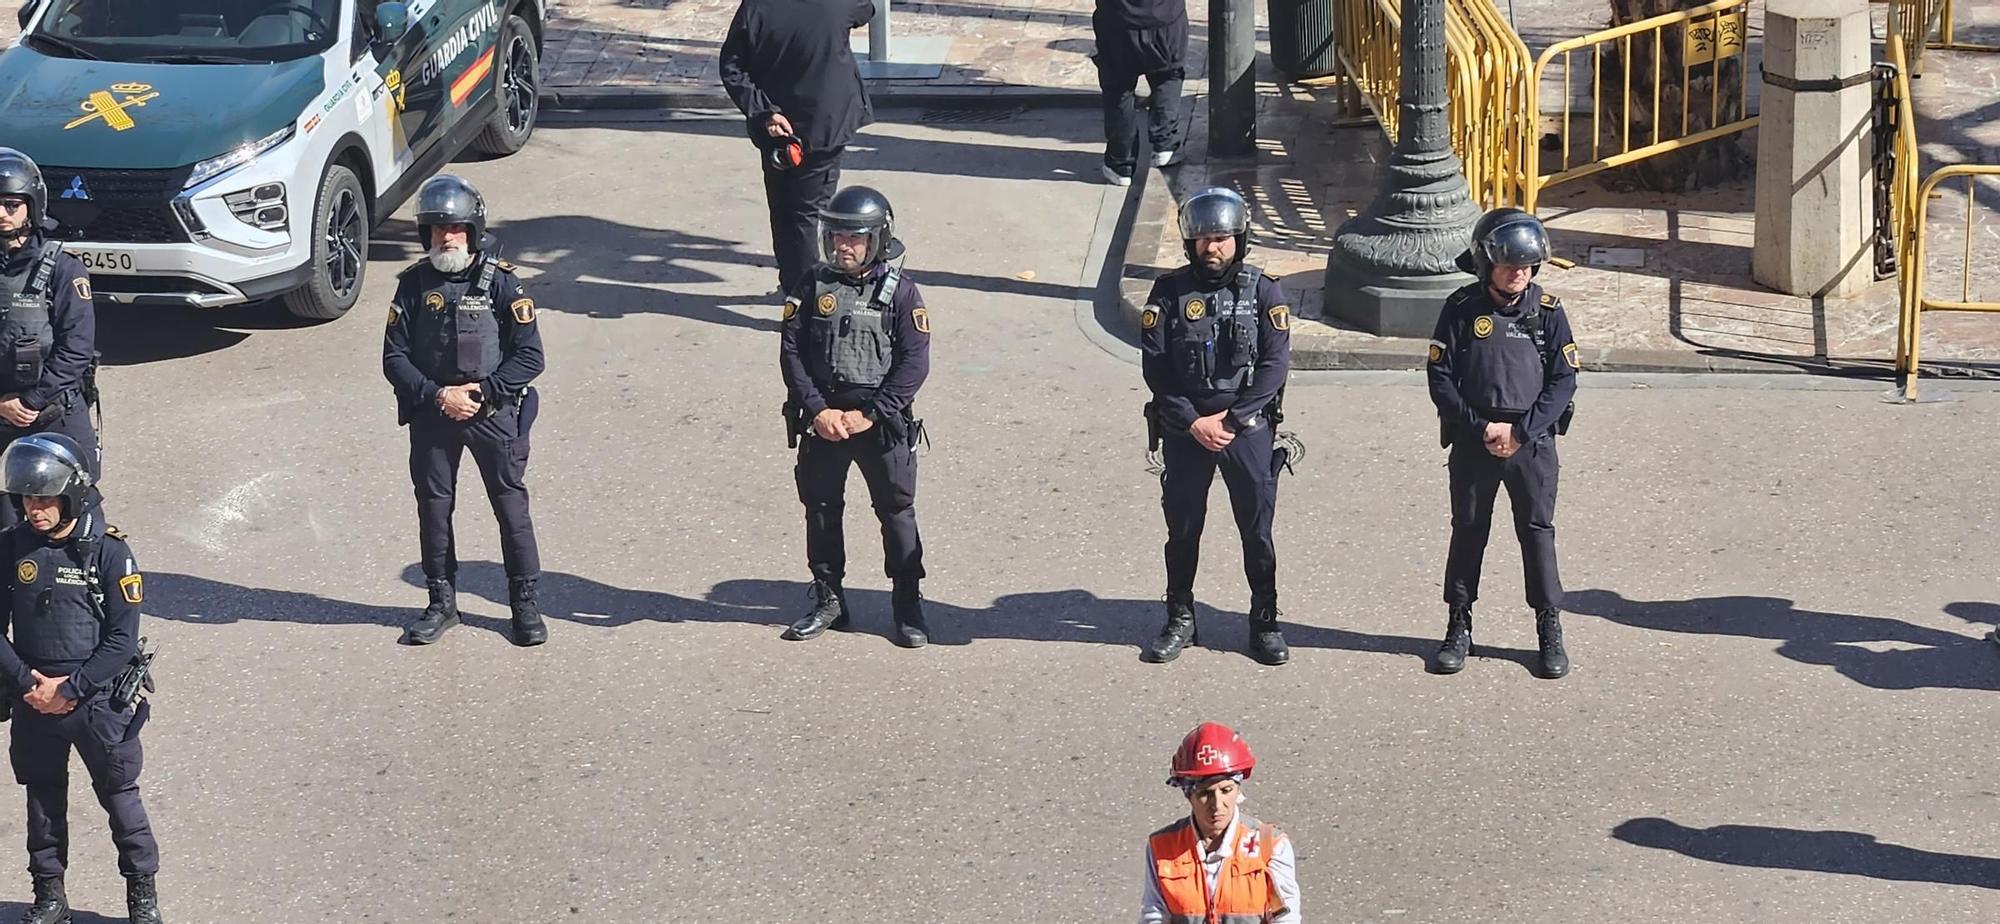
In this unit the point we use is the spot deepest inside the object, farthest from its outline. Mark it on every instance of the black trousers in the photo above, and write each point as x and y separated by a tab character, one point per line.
108	742
1248	469
73	422
1530	477
889	464
794	198
499	446
1123	56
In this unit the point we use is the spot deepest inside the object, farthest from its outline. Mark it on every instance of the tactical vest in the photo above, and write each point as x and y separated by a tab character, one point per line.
57	597
1502	361
456	334
28	334
850	339
1212	335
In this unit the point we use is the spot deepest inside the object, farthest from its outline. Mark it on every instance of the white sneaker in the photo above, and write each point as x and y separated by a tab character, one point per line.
1166	158
1115	178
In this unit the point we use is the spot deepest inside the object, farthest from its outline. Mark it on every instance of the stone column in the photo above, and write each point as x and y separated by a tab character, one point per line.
1815	174
1392	266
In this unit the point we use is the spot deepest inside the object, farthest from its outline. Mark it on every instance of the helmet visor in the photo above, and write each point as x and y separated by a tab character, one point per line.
33	471
1517	244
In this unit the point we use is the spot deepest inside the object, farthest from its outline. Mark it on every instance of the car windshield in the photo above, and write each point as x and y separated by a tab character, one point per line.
188	31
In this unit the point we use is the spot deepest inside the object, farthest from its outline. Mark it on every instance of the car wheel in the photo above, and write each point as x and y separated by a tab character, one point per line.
339	251
517	91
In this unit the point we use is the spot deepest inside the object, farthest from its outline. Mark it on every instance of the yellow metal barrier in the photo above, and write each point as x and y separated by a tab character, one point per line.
1946	36
1915	21
1485	68
1706	38
1910	206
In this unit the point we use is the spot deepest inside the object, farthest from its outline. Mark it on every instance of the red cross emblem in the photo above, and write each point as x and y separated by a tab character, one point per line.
1250	844
1207	755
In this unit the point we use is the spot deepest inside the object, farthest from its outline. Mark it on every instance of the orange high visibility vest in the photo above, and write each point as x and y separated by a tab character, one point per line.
1243	892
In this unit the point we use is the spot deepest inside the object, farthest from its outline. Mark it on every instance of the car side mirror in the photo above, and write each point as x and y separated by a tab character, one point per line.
28	11
392	20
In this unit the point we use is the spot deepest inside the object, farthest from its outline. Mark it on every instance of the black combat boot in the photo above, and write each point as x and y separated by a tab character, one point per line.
142	903
829	612
442	614
910	629
529	630
1548	626
1178	633
1457	641
1267	644
51	905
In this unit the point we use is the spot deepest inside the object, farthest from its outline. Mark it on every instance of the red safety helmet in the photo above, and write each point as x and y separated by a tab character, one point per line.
1212	749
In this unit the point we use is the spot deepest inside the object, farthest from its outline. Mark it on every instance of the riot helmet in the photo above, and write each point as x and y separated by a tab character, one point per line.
20	177
858	210
48	465
1213	212
1506	237
449	200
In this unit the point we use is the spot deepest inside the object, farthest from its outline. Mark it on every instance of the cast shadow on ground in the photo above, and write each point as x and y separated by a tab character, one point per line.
1847	853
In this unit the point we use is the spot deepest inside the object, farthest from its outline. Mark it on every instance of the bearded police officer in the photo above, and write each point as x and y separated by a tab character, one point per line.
461	350
73	668
856	346
49	334
1216	346
1502	373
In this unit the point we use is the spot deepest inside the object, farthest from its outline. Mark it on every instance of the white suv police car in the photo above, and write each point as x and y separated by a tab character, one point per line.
214	152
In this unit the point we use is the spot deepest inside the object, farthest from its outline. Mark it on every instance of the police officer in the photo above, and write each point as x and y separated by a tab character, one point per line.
461	350
855	347
1503	370
1216	346
49	335
72	597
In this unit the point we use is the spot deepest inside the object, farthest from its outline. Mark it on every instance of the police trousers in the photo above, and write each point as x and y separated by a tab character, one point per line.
1249	470
108	742
794	198
1530	477
72	421
888	464
499	446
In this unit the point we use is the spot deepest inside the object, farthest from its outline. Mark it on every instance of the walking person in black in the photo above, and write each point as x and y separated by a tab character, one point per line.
1140	38
787	66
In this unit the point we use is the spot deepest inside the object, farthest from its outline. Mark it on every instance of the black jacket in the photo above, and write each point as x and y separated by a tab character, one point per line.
792	57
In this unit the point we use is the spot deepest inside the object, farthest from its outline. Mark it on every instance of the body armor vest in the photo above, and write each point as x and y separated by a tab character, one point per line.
1212	334
28	335
56	617
458	338
1502	359
850	337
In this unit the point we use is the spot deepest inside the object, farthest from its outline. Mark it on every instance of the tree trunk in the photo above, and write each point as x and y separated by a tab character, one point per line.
1711	93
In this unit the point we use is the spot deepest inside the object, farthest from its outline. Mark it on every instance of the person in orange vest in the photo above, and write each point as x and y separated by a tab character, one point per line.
1218	865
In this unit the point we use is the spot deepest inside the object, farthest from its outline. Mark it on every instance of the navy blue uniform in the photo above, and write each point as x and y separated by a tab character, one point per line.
48	343
1487	367
454	330
54	628
1207	348
848	345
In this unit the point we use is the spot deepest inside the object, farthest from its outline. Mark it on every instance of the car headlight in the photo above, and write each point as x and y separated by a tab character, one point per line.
243	154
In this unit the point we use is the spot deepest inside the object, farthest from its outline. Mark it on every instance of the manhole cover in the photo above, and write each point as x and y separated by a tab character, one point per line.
964	116
1621	257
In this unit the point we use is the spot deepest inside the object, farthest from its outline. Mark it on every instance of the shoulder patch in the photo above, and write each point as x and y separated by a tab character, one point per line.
1551	302
1149	319
922	317
505	266
115	533
791	308
133	587
524	310
393	313
1569	356
82	286
1437	351
1281	317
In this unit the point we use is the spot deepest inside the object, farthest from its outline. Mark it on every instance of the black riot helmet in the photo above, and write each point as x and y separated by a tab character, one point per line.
1211	212
448	200
858	210
20	177
48	465
1508	237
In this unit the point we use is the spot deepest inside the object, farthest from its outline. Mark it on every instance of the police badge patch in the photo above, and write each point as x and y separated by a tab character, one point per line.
922	318
133	586
524	310
1195	309
27	571
1437	352
1149	319
791	308
392	316
1281	317
82	287
434	301
825	305
1569	356
1482	326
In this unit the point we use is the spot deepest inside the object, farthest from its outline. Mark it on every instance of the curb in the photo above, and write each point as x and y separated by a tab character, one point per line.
884	95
